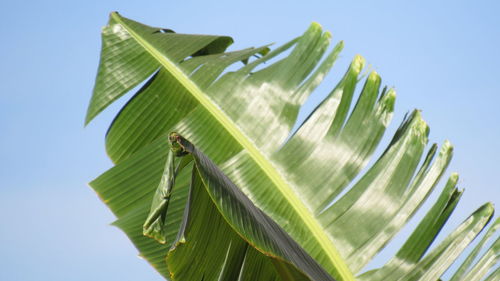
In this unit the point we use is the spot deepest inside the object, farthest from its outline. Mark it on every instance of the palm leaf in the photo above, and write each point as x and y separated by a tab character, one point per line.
242	121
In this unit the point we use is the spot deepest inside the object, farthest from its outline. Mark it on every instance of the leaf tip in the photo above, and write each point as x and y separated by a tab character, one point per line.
88	118
489	207
392	92
418	128
341	44
374	77
328	35
447	144
114	14
316	25
447	148
387	103
358	63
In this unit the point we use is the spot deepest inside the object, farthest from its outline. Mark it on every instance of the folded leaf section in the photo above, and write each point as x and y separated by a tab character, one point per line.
209	249
128	189
254	226
125	63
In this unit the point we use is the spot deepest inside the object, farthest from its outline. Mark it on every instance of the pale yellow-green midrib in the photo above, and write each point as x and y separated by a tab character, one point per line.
318	232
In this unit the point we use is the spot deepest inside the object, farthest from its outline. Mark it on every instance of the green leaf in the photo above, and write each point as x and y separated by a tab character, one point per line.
494	276
117	76
242	121
433	265
128	190
148	115
422	237
468	271
154	226
313	39
217	216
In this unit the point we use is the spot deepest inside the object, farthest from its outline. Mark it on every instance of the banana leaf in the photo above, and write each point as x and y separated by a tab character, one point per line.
313	183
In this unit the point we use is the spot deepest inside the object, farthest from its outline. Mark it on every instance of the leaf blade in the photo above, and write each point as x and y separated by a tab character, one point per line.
318	233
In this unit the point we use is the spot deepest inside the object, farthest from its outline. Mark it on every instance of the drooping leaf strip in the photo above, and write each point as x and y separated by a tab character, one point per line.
231	233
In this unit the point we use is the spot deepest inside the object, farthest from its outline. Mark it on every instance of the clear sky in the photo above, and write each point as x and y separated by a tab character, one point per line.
441	56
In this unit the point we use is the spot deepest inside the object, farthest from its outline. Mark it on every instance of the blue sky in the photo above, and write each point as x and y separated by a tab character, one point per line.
441	57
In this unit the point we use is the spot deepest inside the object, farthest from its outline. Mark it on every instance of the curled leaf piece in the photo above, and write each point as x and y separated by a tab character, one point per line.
154	226
223	234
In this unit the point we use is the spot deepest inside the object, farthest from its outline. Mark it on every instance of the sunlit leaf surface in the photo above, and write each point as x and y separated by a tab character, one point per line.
242	120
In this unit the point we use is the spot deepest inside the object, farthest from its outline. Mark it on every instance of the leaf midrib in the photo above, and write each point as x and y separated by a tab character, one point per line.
312	224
